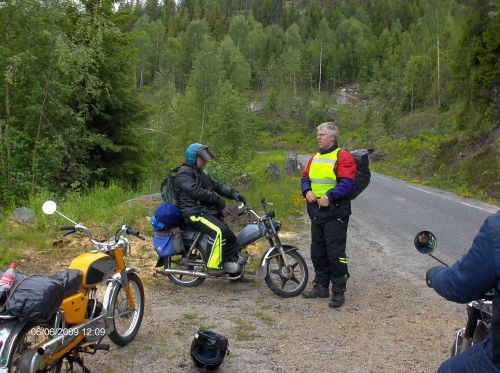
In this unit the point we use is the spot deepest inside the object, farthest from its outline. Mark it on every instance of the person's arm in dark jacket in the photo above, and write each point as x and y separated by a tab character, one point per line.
222	188
186	181
305	182
476	273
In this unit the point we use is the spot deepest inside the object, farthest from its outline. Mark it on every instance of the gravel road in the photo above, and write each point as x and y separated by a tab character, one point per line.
391	322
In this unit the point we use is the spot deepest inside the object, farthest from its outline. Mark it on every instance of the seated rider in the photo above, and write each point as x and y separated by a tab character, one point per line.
201	201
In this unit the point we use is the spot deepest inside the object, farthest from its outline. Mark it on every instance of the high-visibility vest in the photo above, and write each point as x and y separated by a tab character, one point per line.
321	172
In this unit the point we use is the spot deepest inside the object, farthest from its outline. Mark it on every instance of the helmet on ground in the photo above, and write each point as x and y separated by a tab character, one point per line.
208	350
198	149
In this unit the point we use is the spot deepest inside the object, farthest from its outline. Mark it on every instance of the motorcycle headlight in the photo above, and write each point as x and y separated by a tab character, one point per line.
277	225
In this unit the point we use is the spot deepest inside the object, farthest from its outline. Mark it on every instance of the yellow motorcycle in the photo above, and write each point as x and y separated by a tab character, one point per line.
57	342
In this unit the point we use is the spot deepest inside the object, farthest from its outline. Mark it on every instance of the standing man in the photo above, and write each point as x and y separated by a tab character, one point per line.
326	182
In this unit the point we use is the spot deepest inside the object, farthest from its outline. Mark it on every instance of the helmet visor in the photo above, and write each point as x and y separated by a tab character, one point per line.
205	153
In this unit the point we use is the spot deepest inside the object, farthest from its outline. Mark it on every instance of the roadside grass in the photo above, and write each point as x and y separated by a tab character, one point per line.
264	317
102	210
425	159
284	193
243	330
262	304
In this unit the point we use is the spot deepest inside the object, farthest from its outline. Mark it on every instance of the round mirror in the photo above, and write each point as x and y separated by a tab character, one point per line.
49	207
425	242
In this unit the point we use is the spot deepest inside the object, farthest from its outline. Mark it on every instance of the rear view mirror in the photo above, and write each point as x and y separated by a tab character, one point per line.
49	207
425	242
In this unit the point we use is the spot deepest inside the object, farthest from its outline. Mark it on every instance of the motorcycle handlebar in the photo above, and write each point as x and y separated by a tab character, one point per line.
135	232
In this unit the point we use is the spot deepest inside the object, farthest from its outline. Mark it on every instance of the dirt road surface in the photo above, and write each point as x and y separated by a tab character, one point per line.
391	322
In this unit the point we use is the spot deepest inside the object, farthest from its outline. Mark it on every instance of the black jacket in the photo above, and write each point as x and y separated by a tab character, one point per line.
197	192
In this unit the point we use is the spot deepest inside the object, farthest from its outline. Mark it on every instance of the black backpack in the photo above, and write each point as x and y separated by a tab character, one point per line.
167	187
363	173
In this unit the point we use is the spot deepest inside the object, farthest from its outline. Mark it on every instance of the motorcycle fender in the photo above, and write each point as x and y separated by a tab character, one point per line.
9	331
114	284
272	251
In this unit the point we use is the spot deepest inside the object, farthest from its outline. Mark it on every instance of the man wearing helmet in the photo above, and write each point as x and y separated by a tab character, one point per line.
201	201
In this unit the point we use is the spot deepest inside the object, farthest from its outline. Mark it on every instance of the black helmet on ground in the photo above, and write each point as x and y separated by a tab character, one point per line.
208	350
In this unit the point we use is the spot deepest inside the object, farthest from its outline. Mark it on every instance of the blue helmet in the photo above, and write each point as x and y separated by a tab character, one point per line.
196	149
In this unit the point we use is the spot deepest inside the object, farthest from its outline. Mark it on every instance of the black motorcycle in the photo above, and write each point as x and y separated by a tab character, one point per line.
281	266
479	312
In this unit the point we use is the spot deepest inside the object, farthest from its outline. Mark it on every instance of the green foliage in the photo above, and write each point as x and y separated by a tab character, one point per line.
285	193
102	209
70	90
69	103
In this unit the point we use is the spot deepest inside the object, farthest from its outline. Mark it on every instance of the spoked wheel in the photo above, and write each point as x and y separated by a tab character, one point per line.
286	281
127	320
32	336
185	262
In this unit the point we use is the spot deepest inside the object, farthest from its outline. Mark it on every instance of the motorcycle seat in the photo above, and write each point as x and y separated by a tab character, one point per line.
71	279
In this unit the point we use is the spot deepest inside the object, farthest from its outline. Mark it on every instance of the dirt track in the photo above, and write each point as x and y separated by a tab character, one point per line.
391	321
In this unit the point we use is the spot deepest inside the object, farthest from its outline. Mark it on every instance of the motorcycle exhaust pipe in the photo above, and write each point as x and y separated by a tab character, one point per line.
182	272
54	345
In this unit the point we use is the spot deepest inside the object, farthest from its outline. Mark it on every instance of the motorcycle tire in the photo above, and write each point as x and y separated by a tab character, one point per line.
285	284
175	262
126	323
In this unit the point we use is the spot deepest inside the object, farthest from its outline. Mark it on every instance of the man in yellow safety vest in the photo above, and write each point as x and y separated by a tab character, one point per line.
326	182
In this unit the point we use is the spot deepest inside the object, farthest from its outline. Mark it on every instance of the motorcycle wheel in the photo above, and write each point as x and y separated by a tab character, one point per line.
30	337
126	321
287	282
178	262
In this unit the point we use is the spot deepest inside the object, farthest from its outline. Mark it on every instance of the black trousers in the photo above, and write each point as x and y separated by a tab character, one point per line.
229	245
328	243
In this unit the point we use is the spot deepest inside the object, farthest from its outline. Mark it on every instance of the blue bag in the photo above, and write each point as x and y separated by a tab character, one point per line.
168	243
166	216
164	244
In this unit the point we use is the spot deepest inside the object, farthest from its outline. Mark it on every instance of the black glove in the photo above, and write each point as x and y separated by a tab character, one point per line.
239	197
220	204
428	276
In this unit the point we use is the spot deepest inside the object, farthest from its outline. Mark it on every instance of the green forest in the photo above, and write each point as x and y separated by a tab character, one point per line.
100	92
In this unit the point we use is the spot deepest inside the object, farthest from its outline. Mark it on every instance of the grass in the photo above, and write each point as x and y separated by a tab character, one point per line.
243	330
284	193
101	209
264	317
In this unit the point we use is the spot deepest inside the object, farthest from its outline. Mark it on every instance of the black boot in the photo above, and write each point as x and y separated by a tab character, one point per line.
338	299
318	291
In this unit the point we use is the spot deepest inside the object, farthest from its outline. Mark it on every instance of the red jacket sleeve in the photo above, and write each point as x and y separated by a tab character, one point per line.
346	165
305	173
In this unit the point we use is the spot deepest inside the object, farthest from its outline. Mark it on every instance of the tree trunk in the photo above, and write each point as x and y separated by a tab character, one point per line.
411	100
6	135
438	67
156	57
320	62
203	113
39	131
294	83
141	74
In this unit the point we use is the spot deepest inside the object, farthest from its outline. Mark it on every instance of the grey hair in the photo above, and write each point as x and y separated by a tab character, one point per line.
331	128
